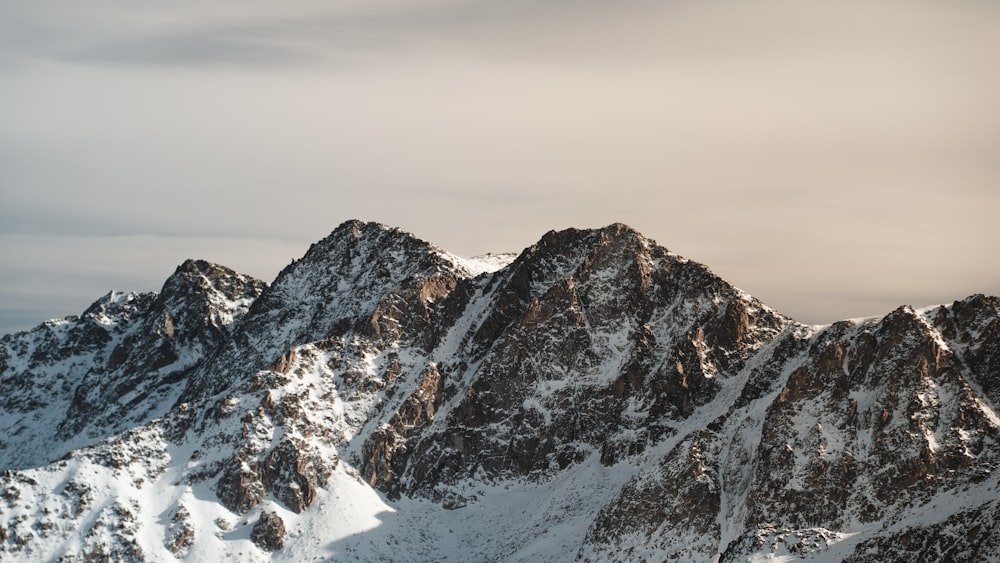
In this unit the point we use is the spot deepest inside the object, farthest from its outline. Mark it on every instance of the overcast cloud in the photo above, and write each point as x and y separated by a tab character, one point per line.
833	159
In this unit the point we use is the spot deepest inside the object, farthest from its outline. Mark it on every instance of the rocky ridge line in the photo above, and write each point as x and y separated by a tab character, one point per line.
648	408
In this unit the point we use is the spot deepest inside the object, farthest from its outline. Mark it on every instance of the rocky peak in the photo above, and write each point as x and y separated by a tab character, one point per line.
200	277
202	295
375	244
971	327
581	327
598	398
335	288
120	362
343	276
564	259
117	307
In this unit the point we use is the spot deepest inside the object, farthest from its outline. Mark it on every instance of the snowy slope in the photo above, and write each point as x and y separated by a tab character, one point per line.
595	398
71	382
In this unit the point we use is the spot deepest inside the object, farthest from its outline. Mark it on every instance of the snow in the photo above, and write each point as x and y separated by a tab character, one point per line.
745	430
532	403
349	520
482	264
140	485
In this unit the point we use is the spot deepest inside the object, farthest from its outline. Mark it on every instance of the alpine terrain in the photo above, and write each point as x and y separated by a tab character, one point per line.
594	398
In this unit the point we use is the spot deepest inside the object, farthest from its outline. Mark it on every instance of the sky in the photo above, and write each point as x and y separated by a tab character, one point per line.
834	159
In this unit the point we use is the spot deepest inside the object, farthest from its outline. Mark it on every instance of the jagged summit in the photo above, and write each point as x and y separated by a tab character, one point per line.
203	294
594	398
118	364
107	309
334	288
367	238
370	257
366	234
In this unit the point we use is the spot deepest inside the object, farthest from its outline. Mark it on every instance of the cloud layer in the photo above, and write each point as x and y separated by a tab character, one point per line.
835	160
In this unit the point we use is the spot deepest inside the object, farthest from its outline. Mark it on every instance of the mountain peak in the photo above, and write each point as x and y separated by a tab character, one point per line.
210	270
359	244
621	230
598	398
572	235
358	228
202	293
194	265
371	256
334	288
205	275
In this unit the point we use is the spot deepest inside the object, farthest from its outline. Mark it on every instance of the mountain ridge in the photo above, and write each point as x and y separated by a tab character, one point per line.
596	398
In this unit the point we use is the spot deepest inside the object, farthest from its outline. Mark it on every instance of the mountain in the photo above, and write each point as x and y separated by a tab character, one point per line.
119	365
594	398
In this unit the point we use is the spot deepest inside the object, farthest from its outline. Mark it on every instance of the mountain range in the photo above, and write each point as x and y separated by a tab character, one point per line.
594	398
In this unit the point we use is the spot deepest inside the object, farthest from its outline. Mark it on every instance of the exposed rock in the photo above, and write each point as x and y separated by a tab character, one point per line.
290	471
654	410
970	535
890	414
293	474
388	440
269	531
180	533
780	543
117	365
240	488
570	311
671	512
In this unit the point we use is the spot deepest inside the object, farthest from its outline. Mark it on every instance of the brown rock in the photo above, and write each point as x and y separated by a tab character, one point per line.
269	531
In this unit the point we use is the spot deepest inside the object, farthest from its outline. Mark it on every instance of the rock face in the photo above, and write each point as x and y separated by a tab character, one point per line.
596	398
269	532
117	366
581	329
342	285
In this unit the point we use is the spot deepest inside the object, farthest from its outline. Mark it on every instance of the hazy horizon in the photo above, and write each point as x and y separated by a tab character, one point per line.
877	304
833	160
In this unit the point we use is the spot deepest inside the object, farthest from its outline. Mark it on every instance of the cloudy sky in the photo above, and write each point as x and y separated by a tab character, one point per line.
835	159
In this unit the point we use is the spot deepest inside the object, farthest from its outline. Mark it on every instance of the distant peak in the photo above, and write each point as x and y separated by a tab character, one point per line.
107	308
620	229
356	228
355	249
196	277
113	297
197	267
591	237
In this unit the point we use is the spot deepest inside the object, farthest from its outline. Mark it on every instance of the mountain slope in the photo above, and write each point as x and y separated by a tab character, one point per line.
121	363
596	398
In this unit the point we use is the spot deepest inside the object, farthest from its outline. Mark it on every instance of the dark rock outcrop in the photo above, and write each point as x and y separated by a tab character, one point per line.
119	364
269	531
583	325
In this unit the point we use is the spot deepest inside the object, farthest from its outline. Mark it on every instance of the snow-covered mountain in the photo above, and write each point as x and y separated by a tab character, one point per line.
595	398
